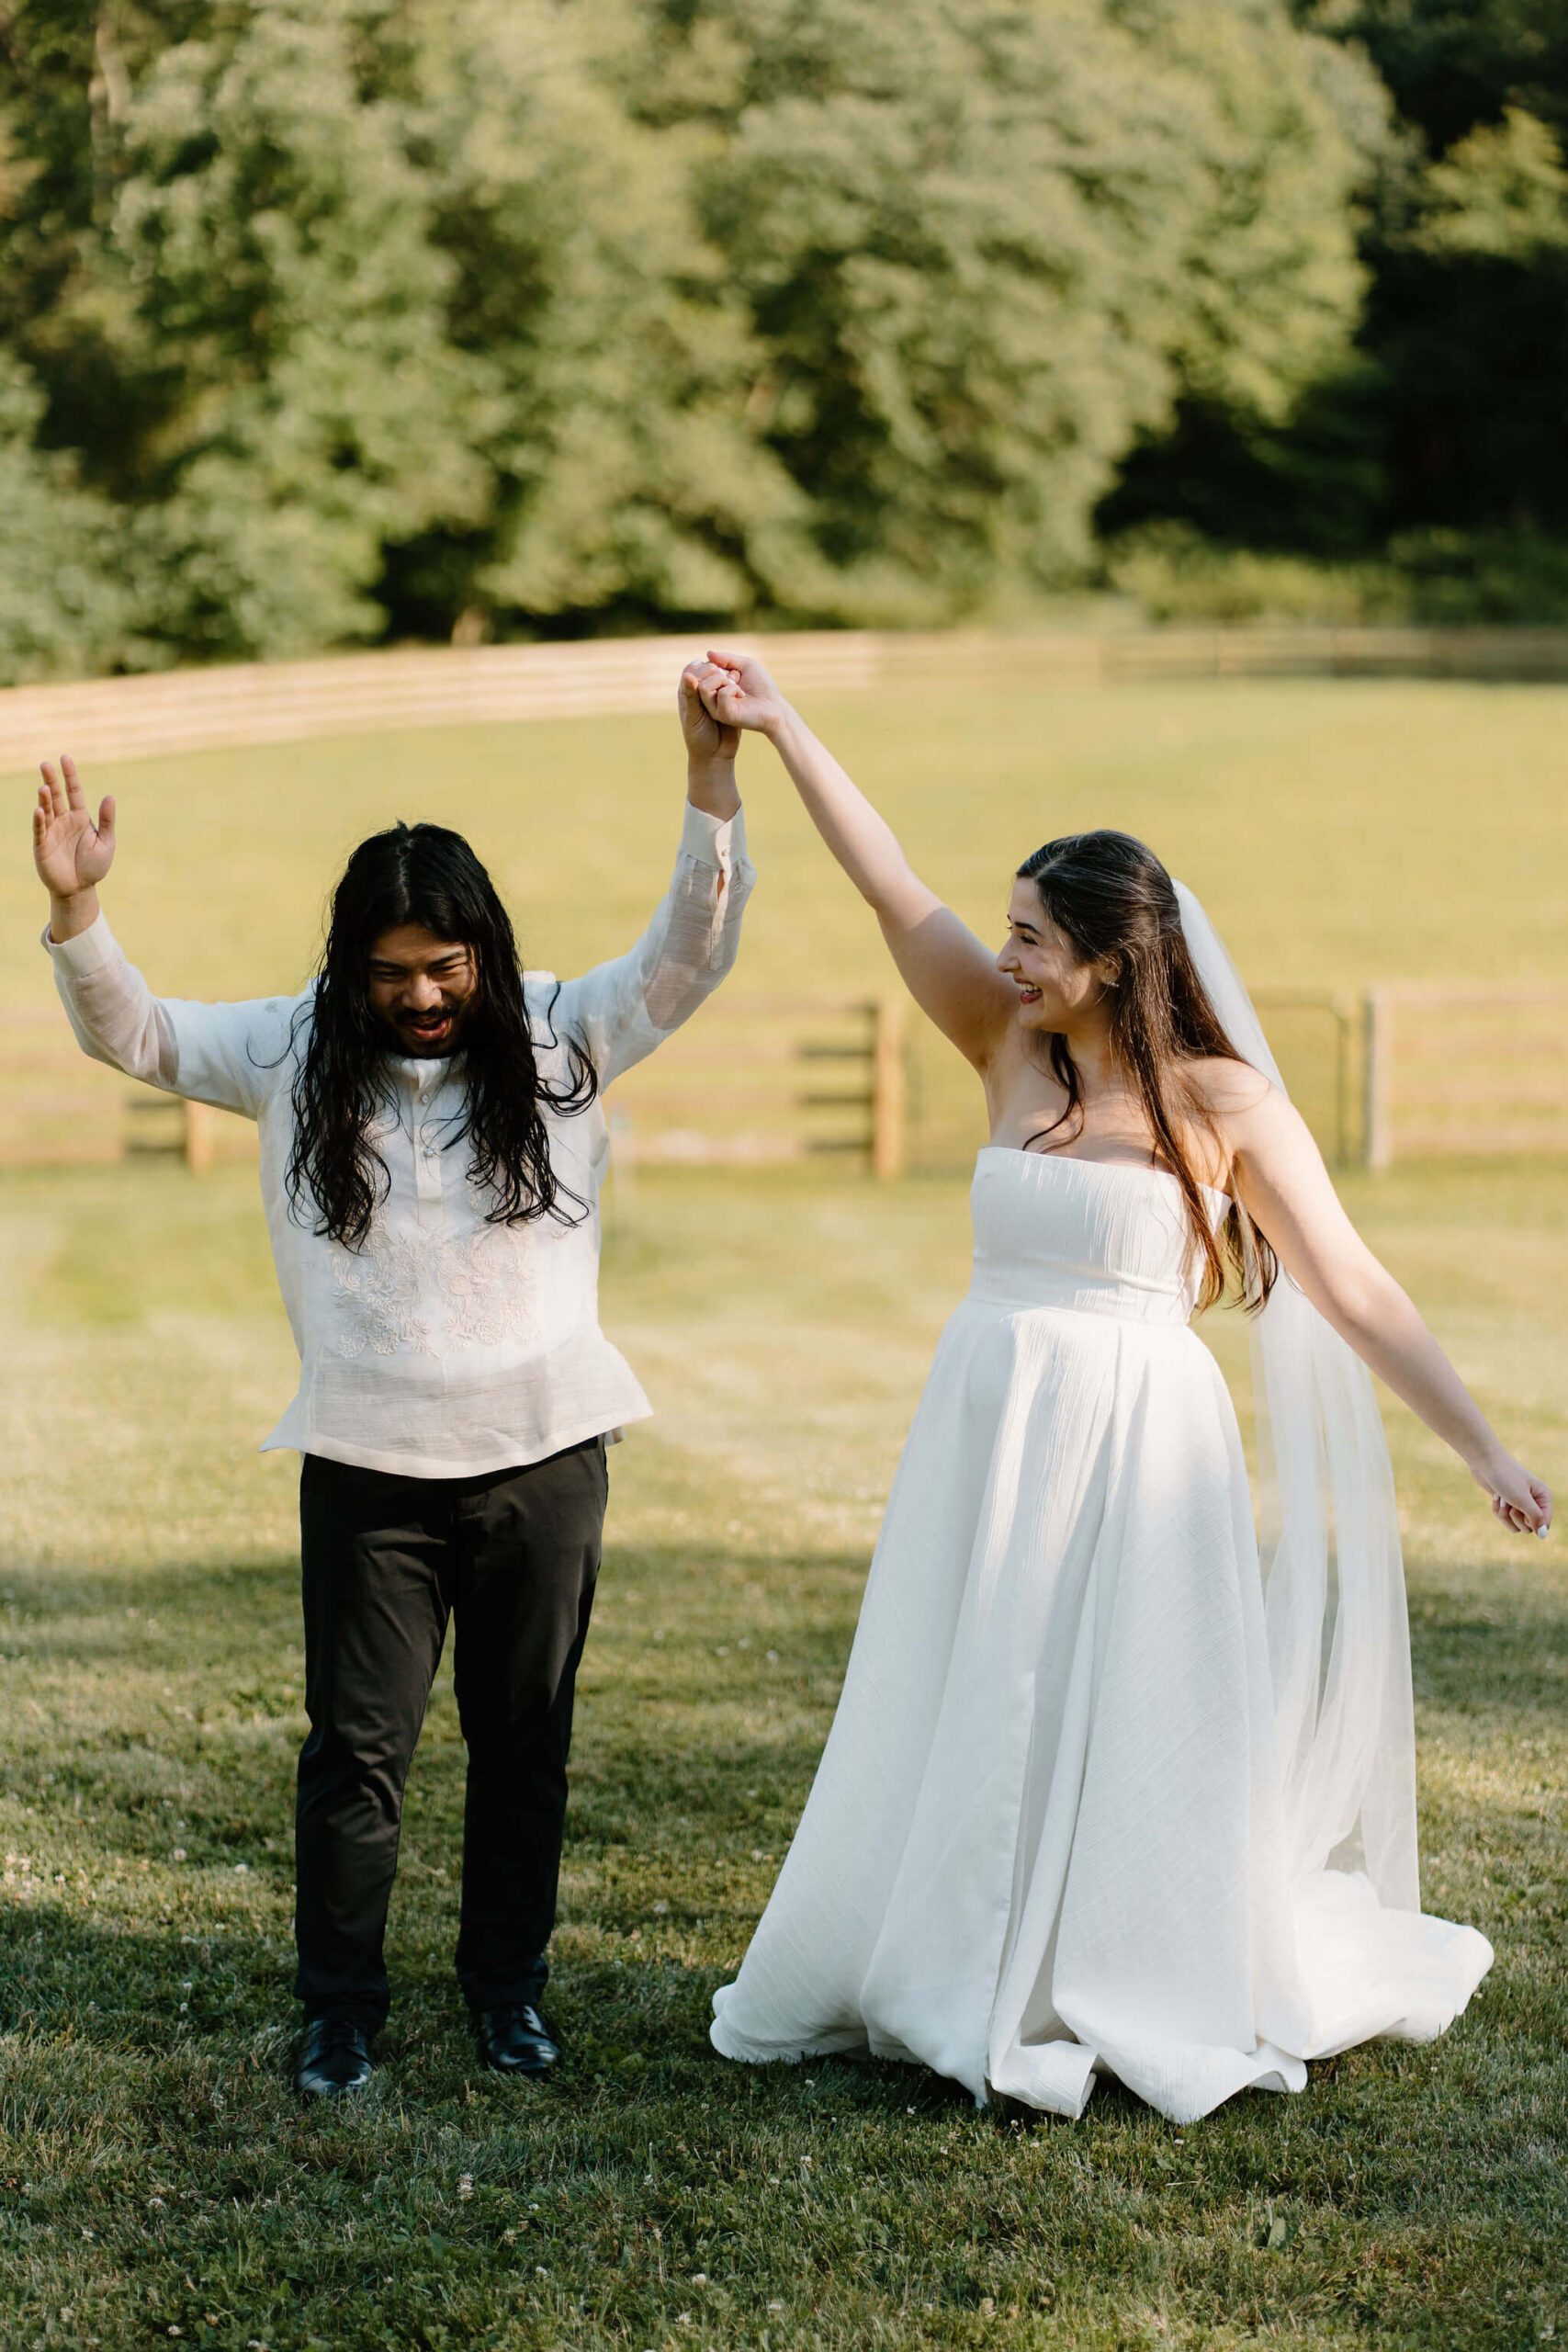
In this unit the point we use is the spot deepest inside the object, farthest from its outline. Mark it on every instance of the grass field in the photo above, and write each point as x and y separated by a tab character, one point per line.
154	2171
158	2182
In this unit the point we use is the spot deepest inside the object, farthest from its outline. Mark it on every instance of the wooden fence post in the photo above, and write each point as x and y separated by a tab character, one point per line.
1377	1129
198	1137
887	1089
1344	1009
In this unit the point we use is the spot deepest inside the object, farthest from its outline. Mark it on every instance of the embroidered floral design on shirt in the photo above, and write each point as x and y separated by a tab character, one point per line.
484	1281
487	1284
377	1290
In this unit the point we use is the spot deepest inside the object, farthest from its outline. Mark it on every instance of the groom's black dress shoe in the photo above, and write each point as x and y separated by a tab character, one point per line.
514	2040
334	2058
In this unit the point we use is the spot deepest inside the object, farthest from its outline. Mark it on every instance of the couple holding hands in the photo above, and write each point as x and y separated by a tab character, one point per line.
1114	1785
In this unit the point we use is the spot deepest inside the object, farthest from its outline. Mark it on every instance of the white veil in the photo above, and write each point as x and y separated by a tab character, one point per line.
1333	1578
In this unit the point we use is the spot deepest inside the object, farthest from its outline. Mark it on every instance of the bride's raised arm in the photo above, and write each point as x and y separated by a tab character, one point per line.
1277	1172
949	972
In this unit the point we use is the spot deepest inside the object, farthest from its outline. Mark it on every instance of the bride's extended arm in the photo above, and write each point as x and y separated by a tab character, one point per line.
1279	1175
948	972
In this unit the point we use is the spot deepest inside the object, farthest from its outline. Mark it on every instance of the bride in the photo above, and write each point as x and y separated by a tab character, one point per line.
1107	1791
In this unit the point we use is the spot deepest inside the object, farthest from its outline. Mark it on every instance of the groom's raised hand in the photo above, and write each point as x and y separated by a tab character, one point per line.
711	747
738	694
71	849
708	739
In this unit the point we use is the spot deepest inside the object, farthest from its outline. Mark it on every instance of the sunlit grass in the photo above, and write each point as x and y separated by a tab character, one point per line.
155	2173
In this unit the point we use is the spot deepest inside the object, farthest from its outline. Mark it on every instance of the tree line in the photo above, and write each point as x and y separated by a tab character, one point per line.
327	321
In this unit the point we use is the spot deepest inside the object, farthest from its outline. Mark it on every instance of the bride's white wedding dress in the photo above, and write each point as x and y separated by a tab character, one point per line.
1055	1830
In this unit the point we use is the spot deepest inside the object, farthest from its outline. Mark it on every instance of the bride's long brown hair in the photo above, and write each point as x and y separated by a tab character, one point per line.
1116	905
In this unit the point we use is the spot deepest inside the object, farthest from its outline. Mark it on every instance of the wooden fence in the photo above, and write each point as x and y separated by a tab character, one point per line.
1328	1105
760	1080
1473	1071
184	710
1464	1071
59	1110
1501	1086
757	1080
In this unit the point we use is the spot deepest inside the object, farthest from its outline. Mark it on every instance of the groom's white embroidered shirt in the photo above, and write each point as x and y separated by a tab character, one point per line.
445	1347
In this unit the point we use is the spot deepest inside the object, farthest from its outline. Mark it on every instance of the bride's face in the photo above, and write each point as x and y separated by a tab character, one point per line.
1056	989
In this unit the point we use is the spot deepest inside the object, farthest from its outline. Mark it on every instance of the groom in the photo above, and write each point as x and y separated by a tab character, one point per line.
432	1148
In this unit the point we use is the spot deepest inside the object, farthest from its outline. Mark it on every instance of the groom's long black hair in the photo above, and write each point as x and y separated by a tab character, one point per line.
336	1178
1116	905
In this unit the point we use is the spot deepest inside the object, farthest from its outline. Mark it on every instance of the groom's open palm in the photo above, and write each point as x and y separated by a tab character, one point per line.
71	849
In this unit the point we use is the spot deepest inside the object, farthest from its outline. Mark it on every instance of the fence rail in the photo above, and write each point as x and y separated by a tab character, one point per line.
759	1080
1453	1070
282	702
689	1104
1339	1008
1469	1072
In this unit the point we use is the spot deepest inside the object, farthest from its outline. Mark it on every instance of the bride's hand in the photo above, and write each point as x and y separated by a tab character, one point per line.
1520	1501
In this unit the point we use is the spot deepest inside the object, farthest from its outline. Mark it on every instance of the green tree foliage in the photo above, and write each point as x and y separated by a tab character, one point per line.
1470	325
274	238
1452	64
249	340
322	320
624	475
62	605
981	246
1441	448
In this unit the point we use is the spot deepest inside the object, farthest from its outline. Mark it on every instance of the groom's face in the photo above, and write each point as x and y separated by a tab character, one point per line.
422	989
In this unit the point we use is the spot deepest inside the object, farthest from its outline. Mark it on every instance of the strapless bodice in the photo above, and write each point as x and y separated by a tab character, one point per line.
1100	1236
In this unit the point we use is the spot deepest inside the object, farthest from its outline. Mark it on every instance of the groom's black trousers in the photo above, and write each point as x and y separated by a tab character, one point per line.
512	1556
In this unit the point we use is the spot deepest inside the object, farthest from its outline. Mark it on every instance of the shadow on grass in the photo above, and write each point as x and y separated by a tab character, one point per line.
689	1771
214	2008
137	1988
1511	1658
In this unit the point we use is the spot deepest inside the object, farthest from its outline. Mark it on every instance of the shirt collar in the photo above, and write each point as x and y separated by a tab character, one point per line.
419	1076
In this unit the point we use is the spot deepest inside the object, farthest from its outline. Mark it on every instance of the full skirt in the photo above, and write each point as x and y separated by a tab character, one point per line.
1045	1839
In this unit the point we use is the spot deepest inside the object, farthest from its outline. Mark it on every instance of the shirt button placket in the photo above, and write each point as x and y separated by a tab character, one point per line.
426	1162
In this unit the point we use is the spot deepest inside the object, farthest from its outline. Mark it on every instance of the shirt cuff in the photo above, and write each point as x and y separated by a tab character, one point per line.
90	951
714	840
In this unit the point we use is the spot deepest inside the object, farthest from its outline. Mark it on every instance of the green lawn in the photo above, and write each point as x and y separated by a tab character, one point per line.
155	2173
156	2178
